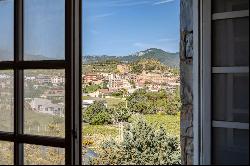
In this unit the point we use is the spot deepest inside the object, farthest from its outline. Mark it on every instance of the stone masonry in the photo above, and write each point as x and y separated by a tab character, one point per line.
186	66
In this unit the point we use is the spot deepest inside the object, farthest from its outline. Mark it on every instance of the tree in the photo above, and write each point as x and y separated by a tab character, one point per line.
120	113
142	145
97	114
145	102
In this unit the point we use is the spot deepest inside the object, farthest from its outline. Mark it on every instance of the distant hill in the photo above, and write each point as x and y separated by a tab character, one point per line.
6	55
169	59
36	57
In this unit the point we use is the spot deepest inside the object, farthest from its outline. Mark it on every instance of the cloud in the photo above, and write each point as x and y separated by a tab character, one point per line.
163	2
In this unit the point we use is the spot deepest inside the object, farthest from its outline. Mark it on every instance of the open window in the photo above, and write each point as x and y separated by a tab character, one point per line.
225	82
40	51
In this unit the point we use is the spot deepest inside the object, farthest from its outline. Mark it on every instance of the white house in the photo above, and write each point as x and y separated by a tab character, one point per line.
57	80
46	106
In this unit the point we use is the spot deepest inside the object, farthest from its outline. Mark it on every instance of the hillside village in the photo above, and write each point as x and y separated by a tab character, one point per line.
48	90
103	79
154	80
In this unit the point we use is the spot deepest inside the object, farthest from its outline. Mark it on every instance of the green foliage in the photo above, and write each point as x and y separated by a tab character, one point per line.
145	102
120	93
171	123
105	85
97	114
146	64
91	88
101	118
120	113
100	65
142	145
136	68
30	92
100	130
175	71
58	120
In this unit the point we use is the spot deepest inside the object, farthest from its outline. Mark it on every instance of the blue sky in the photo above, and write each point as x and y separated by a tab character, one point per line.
122	27
6	32
111	27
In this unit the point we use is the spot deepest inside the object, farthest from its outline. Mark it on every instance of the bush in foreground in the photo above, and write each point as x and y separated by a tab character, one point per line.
142	145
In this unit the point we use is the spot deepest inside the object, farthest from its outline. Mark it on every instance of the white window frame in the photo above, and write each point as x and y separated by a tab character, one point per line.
202	72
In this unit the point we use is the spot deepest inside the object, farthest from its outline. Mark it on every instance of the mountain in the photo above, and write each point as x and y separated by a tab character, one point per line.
7	55
36	57
169	59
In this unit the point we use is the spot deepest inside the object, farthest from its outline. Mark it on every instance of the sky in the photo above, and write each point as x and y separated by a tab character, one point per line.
110	27
122	27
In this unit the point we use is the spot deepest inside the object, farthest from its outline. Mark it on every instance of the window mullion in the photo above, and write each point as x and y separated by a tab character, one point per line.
18	81
73	82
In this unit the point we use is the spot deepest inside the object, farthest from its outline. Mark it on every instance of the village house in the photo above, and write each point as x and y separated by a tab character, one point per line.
43	79
29	78
92	78
47	107
154	87
57	80
54	94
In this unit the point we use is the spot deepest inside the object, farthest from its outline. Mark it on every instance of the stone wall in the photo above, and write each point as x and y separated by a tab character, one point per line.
186	67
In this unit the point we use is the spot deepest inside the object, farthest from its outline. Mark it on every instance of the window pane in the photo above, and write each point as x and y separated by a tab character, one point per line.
231	146
6	153
6	30
43	155
6	101
231	42
44	93
229	5
231	97
44	32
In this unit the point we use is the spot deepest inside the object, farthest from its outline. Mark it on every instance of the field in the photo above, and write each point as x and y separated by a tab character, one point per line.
169	122
94	135
32	120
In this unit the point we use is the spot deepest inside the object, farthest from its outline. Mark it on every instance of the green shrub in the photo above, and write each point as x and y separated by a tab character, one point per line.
144	102
97	114
142	145
120	113
101	118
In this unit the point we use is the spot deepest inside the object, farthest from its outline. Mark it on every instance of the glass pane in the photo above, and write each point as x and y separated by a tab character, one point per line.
231	97
43	155
231	42
6	153
220	6
230	146
6	30
44	29
6	101
44	92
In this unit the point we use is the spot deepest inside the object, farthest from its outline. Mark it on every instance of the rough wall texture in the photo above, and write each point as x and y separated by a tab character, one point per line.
186	67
